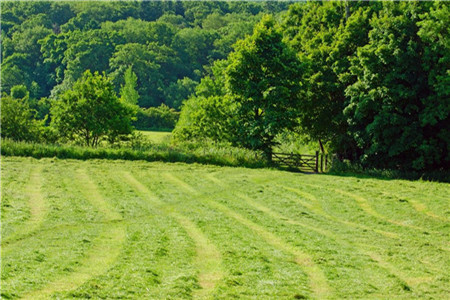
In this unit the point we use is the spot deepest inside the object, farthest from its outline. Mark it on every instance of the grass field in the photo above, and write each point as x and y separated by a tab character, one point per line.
157	137
132	229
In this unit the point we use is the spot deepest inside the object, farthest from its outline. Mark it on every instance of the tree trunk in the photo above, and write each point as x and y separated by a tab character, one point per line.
269	154
321	146
347	10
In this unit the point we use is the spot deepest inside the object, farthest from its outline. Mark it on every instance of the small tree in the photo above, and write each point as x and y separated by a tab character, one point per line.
91	111
17	119
128	91
263	78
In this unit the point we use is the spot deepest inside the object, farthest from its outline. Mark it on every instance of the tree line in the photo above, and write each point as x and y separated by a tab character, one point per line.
47	46
147	55
369	81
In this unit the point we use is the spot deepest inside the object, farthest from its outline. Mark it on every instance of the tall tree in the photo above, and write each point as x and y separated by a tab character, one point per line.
399	107
263	78
326	35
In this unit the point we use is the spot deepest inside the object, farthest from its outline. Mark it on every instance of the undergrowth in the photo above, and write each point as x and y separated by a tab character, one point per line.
347	168
187	153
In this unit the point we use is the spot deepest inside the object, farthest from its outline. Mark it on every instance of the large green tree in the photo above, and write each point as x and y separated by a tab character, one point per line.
399	106
326	35
91	111
263	79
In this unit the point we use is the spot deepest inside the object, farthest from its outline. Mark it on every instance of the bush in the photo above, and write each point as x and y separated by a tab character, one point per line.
17	120
157	118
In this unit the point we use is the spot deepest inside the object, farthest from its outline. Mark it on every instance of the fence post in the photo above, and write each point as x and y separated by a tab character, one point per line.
317	162
321	163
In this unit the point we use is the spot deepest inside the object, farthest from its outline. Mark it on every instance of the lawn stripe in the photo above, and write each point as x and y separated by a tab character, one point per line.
318	281
38	208
418	206
319	210
208	259
363	203
274	214
386	266
92	193
407	282
106	249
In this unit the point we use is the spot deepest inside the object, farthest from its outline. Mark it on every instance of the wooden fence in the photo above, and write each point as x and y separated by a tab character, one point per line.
302	162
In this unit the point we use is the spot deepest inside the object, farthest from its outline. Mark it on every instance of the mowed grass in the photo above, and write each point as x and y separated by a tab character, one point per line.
132	229
157	137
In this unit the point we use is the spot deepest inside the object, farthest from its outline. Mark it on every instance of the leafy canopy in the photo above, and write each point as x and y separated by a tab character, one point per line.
92	111
263	79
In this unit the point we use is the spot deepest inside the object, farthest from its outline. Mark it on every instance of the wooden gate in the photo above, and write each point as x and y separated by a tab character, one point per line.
302	162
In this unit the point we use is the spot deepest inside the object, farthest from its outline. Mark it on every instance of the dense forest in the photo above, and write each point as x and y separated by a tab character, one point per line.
46	46
367	81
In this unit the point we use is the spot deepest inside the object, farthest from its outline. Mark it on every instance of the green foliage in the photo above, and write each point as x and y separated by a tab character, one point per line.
399	107
374	76
128	91
326	38
48	46
91	111
136	148
19	92
147	61
194	46
175	93
263	79
17	118
157	118
208	114
258	101
376	80
205	117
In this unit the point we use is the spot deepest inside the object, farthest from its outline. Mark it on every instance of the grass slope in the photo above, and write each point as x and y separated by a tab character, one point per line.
133	229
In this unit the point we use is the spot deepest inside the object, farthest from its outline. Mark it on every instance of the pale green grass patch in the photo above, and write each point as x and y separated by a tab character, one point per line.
157	137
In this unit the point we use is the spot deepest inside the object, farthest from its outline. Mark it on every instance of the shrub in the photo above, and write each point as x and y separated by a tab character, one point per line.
17	120
157	118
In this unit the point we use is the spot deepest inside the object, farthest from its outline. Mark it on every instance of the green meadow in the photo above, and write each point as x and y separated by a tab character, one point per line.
133	229
156	137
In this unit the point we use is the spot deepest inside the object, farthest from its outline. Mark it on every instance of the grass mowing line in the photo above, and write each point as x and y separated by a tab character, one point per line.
92	193
318	281
106	249
208	259
359	248
366	207
319	210
374	256
406	282
419	207
276	215
181	183
417	204
38	208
